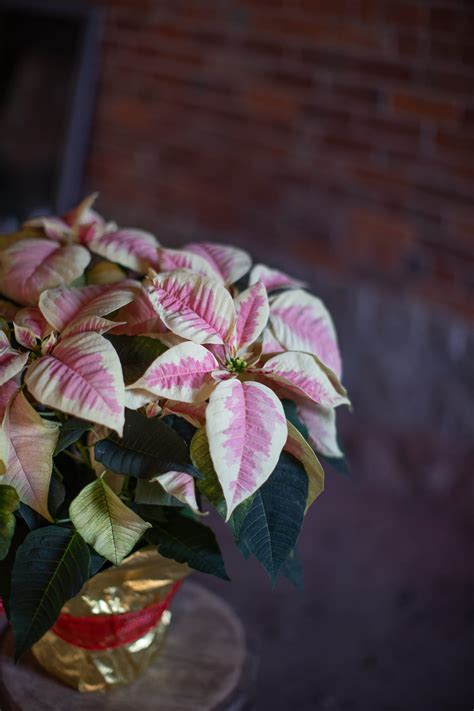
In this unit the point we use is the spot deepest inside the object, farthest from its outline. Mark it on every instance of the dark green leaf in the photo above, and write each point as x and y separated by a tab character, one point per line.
292	569
152	493
9	503
209	484
188	541
51	566
238	515
32	519
6	565
56	494
70	432
96	564
148	448
271	528
291	414
184	428
136	353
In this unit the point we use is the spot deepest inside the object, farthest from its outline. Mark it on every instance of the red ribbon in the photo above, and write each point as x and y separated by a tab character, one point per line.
110	631
101	632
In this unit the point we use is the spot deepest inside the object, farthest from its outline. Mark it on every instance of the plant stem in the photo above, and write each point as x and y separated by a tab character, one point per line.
73	456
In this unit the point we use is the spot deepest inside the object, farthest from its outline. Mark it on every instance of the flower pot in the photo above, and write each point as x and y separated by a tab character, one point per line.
110	633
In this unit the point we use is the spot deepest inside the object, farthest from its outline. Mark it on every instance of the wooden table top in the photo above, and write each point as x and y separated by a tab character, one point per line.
205	666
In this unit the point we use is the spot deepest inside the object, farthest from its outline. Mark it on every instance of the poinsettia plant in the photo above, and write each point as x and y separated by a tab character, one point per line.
140	386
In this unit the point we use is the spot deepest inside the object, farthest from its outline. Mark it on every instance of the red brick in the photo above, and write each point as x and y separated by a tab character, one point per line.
295	79
419	106
347	144
456	144
267	100
408	45
384	70
343	127
407	14
447	19
380	236
339	33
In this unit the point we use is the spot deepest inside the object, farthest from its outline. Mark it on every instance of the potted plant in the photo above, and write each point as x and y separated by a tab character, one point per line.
139	386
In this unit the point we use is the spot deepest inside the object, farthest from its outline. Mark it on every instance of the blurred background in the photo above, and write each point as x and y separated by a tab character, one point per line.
333	139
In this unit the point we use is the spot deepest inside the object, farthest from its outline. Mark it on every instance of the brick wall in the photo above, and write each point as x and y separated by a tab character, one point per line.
336	133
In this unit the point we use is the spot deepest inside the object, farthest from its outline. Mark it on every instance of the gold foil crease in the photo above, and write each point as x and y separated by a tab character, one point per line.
143	579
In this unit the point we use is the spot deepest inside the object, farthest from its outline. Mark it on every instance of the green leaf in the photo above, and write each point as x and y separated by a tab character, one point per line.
184	428
304	453
105	522
272	526
238	515
152	493
292	569
6	565
210	486
291	414
56	494
136	353
70	432
97	563
51	566
188	541
148	448
9	502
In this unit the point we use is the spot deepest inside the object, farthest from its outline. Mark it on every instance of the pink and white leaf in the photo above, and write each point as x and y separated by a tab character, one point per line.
49	343
55	228
273	278
138	397
194	307
183	373
4	445
301	322
305	375
30	460
82	376
83	214
11	360
30	327
153	409
87	324
301	450
321	424
181	486
270	343
7	392
63	305
135	249
252	312
140	317
246	429
229	263
169	339
31	266
171	259
192	412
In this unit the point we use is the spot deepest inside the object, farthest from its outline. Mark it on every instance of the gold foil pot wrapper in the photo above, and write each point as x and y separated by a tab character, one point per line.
143	579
